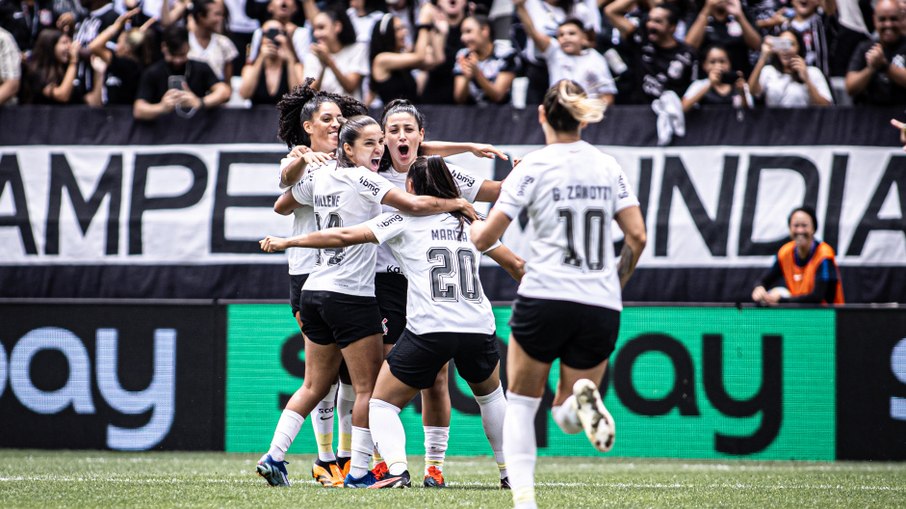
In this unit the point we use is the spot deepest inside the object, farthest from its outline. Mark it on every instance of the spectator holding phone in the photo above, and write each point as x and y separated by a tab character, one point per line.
722	86
784	79
275	72
177	83
483	72
877	71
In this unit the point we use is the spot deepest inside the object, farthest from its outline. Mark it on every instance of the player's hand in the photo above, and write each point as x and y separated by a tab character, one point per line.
486	151
316	157
271	244
298	151
466	208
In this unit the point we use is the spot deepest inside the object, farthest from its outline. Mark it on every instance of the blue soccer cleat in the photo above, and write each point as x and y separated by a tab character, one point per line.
274	472
362	482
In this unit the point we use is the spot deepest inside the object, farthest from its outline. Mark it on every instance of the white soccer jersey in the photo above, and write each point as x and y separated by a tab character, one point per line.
302	260
441	264
468	186
343	197
572	192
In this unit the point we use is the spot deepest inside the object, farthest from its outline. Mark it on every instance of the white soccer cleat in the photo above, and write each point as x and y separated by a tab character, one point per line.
596	420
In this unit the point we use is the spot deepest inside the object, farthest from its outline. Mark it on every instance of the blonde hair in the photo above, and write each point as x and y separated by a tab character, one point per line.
567	105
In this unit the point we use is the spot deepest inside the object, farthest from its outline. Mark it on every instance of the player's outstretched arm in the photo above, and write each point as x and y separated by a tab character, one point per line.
331	237
426	205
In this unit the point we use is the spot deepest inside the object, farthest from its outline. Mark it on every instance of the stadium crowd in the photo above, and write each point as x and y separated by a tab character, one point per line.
162	56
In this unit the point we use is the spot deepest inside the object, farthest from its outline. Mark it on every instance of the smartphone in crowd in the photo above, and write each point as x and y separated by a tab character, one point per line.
780	43
176	82
728	77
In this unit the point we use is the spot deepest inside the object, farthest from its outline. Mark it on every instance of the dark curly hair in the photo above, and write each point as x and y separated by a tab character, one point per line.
300	104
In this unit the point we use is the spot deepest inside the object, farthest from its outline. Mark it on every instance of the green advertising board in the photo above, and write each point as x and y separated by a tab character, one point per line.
686	382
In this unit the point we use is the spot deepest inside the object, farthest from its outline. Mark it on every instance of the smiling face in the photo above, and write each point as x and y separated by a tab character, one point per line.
572	38
888	21
403	137
323	127
324	29
367	149
474	36
802	231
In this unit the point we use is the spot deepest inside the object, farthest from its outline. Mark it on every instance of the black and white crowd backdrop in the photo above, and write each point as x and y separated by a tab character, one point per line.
166	211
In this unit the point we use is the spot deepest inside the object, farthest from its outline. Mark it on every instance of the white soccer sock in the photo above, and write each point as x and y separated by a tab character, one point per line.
345	402
566	416
322	424
388	434
493	411
519	447
436	438
362	446
287	428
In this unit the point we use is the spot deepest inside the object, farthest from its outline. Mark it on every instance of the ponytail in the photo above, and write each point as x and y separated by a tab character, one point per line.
566	106
430	176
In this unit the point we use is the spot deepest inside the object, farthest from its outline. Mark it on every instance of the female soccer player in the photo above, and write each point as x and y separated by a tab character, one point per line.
309	124
404	135
568	304
448	315
340	317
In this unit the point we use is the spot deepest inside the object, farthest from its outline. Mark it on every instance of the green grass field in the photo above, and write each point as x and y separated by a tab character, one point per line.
106	479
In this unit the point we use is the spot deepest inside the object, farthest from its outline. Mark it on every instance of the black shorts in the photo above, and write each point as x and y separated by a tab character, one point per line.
331	317
296	281
581	336
415	360
390	290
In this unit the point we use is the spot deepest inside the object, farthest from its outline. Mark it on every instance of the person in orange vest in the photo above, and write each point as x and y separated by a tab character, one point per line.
806	266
